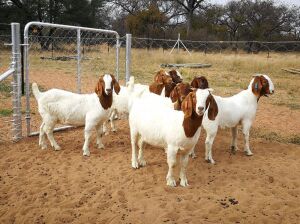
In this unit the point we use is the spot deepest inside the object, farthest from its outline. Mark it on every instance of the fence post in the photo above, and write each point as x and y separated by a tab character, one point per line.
128	56
17	81
117	57
78	62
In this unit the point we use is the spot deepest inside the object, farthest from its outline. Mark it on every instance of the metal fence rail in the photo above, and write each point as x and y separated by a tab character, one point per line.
69	50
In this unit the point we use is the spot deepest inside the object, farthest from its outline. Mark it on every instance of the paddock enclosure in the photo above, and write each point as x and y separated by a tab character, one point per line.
47	186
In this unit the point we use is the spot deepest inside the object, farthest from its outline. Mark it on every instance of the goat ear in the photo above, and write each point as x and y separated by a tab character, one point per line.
256	86
116	85
187	105
99	87
213	107
174	95
158	78
156	88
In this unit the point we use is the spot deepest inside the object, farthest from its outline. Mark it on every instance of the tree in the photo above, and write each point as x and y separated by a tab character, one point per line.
266	21
189	7
233	18
149	21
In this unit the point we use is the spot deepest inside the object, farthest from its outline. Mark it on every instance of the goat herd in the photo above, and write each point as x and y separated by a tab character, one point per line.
168	113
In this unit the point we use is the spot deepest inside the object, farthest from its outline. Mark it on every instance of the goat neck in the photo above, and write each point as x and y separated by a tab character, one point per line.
191	124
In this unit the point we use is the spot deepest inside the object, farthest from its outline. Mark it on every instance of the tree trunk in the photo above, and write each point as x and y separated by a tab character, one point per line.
189	21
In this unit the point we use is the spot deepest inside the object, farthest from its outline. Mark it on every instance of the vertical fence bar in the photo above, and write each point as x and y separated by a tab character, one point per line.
78	61
128	56
17	81
26	74
117	56
178	43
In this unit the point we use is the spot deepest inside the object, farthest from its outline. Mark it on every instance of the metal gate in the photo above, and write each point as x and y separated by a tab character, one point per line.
66	57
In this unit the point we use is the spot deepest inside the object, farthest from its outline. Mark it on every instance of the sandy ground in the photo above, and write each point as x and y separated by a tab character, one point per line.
47	186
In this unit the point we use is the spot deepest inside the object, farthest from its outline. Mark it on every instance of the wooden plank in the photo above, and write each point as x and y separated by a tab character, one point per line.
293	71
189	65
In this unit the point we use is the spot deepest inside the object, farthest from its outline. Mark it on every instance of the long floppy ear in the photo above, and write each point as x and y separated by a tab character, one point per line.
195	83
99	87
213	107
116	85
187	105
156	88
158	78
174	95
256	86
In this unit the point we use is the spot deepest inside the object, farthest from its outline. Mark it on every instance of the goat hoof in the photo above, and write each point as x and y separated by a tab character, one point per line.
142	162
57	148
86	153
135	164
210	161
100	146
171	182
184	182
114	130
43	147
248	153
233	149
193	155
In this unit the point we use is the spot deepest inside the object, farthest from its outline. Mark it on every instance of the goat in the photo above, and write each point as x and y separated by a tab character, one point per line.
164	82
232	111
163	85
60	106
199	82
179	93
152	122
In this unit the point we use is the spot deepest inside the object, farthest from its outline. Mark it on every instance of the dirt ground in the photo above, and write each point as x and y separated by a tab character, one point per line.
47	186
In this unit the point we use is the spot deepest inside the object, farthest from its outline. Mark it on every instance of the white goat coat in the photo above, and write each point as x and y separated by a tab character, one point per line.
71	108
154	118
233	110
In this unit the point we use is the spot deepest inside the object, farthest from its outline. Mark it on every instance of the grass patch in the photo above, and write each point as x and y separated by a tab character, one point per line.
5	112
5	88
275	137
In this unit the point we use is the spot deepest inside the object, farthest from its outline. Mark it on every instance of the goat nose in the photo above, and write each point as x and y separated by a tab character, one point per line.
200	108
108	90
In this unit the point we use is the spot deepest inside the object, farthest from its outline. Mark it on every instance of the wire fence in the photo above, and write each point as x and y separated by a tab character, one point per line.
218	46
5	86
5	48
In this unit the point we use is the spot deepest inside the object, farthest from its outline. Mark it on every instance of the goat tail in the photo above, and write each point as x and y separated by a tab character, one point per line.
36	91
130	84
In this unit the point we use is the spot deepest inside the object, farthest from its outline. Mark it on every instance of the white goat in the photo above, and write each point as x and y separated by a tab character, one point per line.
59	106
232	111
120	102
152	121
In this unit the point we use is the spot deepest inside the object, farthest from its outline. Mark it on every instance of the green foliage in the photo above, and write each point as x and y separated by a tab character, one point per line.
5	112
72	12
146	22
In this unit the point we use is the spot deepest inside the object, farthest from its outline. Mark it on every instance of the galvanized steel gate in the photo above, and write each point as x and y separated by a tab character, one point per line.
68	31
